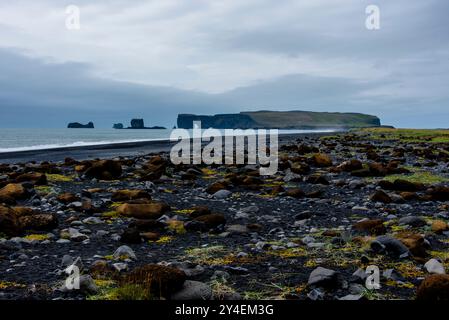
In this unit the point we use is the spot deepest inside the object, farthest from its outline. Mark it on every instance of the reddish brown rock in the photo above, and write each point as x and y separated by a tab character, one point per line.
216	186
38	179
104	170
126	195
439	226
372	227
152	210
158	280
67	198
295	193
434	288
212	220
321	160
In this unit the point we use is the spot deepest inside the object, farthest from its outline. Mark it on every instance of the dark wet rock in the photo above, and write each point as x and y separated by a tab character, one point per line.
147	225
391	246
200	211
104	170
300	168
131	236
322	277
350	165
212	220
217	186
126	195
381	196
222	194
295	193
439	193
391	274
318	179
413	221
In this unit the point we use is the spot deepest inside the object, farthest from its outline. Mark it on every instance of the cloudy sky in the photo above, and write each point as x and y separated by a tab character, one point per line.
157	58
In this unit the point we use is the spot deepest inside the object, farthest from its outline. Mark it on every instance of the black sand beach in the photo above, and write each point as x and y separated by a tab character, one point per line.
138	227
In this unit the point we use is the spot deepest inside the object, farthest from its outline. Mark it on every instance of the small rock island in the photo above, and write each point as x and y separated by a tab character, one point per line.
136	124
77	125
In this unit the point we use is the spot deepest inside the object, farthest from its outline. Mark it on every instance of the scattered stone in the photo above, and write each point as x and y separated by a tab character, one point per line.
124	252
193	290
435	267
152	210
322	277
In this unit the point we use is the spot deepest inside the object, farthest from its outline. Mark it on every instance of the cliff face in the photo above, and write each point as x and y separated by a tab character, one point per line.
77	125
281	120
219	121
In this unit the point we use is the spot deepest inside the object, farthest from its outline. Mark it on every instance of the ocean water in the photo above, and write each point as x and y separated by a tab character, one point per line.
38	139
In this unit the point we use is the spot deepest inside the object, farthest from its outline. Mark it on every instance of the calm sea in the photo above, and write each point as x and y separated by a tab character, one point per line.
38	139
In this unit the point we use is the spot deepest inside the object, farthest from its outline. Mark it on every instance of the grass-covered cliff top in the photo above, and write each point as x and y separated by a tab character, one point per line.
295	119
409	135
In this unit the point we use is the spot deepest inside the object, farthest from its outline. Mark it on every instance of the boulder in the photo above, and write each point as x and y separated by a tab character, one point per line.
295	193
415	243
126	195
404	185
131	236
67	198
15	221
439	193
157	280
212	220
439	226
434	288
104	170
322	277
14	191
435	267
38	179
391	246
9	224
381	196
350	165
413	221
371	227
321	160
152	210
124	252
216	186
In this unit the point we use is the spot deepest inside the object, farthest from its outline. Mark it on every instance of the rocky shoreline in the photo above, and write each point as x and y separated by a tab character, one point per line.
139	227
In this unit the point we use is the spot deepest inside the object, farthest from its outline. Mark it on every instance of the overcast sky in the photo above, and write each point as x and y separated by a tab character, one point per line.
155	59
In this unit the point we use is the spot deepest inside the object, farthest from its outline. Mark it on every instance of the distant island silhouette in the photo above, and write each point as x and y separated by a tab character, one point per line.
77	125
136	124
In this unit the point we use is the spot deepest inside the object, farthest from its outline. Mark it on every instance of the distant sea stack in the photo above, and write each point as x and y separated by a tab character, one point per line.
77	125
136	124
305	120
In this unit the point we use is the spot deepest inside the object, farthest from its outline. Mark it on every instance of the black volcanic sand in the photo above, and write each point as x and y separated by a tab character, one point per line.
319	211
